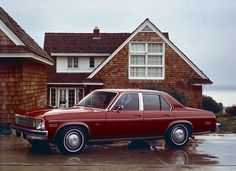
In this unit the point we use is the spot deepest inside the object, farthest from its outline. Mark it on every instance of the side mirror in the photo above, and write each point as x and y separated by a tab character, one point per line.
118	108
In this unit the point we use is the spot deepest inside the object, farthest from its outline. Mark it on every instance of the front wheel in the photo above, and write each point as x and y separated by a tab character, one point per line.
177	136
71	140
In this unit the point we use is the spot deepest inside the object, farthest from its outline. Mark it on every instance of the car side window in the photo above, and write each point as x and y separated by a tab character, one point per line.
130	101
151	102
164	104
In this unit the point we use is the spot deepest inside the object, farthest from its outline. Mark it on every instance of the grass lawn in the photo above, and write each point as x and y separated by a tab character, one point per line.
228	124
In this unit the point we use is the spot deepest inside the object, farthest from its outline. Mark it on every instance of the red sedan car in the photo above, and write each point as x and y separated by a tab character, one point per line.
114	114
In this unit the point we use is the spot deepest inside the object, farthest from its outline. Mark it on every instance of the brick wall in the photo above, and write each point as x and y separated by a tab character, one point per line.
177	72
23	85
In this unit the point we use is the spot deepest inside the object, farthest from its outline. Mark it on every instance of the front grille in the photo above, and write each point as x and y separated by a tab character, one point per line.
25	121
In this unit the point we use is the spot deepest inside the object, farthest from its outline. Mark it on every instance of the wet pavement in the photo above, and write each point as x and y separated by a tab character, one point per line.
210	152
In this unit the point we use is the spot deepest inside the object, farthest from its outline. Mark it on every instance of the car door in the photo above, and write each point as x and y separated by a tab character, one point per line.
127	120
157	114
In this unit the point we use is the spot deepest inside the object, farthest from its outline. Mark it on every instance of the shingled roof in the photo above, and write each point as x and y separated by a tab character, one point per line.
30	45
83	42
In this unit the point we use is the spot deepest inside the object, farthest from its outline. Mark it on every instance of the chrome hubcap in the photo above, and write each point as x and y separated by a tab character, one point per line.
72	140
178	135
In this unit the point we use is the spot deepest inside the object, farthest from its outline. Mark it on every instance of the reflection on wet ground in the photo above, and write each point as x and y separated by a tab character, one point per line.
204	150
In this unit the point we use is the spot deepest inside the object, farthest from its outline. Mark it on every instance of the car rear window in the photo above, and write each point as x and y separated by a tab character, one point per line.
151	102
155	102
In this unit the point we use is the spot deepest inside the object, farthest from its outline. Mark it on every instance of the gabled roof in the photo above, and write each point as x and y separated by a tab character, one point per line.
23	42
83	42
151	26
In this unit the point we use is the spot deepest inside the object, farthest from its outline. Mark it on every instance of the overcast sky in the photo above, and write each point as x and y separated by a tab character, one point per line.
205	30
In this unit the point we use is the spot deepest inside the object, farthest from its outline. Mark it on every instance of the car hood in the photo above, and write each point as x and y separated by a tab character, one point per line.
59	111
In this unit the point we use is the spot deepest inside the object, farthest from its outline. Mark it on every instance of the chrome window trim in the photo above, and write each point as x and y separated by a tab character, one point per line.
141	107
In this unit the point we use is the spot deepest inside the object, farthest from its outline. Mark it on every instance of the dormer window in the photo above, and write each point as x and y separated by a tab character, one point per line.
73	62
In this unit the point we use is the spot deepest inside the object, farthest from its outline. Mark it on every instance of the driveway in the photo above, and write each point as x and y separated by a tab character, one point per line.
210	152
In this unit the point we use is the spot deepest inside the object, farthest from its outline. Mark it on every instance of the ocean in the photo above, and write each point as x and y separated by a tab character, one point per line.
225	95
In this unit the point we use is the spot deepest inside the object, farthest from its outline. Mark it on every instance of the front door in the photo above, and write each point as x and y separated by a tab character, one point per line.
126	122
66	97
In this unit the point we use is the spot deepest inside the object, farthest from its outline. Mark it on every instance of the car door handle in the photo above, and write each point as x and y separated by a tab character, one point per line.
139	115
167	115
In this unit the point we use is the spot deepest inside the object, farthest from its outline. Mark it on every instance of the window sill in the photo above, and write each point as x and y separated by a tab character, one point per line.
146	78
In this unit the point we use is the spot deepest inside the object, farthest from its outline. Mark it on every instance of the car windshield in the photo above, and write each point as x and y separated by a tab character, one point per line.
97	99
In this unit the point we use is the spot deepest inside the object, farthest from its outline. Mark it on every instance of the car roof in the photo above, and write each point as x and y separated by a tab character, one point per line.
130	90
168	97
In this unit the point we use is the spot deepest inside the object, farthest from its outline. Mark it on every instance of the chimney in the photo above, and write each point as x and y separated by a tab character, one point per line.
96	33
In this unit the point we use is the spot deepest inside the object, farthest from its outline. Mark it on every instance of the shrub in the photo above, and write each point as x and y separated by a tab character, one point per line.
208	103
231	110
178	95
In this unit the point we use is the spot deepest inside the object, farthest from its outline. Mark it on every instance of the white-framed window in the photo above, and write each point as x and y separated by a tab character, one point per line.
65	96
146	61
91	62
73	62
53	96
80	94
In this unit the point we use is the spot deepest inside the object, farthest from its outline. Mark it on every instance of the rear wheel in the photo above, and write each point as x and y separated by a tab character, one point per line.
71	140
177	135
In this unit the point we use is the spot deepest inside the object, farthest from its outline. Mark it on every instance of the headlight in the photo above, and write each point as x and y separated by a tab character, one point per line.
40	124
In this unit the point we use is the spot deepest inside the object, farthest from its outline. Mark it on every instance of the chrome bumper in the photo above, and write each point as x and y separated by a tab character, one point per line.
218	126
30	134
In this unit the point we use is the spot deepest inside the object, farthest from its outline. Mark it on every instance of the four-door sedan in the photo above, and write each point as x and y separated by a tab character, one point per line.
114	114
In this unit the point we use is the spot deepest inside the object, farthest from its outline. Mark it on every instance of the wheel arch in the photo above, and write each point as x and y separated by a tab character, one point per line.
188	124
84	126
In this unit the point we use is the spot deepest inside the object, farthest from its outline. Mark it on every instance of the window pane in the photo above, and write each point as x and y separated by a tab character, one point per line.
137	71
70	59
138	47
154	60
91	62
80	94
130	101
53	96
71	97
151	102
62	98
164	104
97	99
76	62
154	48
137	60
154	72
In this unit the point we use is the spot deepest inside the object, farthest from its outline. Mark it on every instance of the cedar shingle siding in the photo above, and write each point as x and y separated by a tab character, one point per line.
23	86
22	79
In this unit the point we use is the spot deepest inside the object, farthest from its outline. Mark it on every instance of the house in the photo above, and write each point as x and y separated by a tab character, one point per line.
23	70
87	61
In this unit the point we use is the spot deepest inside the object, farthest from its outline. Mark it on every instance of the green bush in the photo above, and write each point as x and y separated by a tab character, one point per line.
178	95
208	103
231	110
